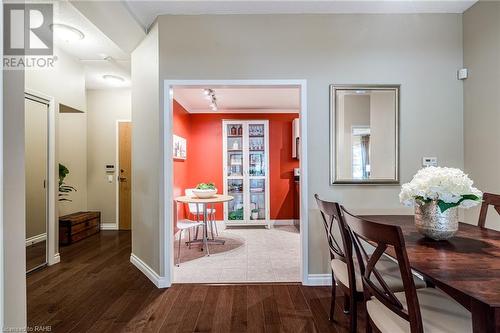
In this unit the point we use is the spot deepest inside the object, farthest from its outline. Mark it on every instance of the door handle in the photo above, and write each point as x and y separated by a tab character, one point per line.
122	179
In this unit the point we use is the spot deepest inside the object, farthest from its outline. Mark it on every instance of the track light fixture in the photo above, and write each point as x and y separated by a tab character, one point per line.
210	95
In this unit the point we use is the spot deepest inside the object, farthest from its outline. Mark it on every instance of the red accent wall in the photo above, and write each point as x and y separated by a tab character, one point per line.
181	127
204	156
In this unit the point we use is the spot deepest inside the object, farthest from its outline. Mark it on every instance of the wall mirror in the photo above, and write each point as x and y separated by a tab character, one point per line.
364	134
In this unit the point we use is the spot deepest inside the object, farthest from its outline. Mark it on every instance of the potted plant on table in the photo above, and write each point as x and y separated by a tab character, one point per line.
437	193
205	190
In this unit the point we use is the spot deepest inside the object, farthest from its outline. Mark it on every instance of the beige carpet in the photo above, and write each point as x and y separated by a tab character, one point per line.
249	255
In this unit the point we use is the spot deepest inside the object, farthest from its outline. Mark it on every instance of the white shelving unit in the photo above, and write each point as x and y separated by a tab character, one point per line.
246	171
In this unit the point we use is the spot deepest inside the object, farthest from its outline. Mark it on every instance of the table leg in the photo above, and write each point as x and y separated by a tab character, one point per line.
485	318
212	221
205	229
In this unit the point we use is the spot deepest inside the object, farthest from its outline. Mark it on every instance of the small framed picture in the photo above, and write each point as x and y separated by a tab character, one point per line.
180	151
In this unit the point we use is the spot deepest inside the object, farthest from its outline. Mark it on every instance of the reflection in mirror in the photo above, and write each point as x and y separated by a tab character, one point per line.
36	148
364	134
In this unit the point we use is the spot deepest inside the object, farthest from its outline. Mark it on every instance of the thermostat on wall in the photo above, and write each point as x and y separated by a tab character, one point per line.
462	73
429	161
110	168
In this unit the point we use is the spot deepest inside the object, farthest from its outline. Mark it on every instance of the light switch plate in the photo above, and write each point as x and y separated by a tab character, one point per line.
429	161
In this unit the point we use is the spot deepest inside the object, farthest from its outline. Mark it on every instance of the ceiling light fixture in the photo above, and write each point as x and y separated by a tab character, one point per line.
210	94
67	32
113	78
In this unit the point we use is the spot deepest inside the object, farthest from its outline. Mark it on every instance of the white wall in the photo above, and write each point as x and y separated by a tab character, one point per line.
420	52
104	108
146	156
14	245
66	84
481	24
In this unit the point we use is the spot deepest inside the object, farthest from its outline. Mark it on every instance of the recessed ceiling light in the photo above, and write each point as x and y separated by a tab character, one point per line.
67	32
113	78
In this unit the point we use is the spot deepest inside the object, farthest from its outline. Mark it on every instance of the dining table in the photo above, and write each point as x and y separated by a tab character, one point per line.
205	204
466	266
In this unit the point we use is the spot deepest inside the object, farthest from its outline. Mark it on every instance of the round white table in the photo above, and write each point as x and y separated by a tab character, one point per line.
191	199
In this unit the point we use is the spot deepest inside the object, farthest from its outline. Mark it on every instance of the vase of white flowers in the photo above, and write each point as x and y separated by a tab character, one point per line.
437	193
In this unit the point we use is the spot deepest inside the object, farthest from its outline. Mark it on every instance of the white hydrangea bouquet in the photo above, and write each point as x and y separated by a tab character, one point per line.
449	187
436	193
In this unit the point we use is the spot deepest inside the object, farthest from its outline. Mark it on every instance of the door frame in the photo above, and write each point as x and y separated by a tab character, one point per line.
116	226
166	236
52	179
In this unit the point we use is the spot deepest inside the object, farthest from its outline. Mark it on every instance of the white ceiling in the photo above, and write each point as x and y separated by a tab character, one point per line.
146	11
240	100
92	50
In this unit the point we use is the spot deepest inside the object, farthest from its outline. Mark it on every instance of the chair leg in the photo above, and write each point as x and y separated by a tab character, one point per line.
353	315
179	253
346	304
368	324
333	297
215	223
189	238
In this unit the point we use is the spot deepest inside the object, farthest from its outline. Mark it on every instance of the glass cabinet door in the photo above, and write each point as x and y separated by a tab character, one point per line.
257	171
235	172
256	150
235	207
257	199
234	150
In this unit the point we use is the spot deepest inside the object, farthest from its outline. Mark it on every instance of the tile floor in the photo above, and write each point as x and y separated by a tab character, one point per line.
249	255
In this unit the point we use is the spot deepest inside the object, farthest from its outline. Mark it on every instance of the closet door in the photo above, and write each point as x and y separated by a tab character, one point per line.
36	152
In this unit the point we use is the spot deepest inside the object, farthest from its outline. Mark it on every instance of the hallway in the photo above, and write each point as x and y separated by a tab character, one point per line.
95	288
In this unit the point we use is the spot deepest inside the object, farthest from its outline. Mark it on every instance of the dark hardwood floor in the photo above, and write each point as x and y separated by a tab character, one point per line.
95	288
35	255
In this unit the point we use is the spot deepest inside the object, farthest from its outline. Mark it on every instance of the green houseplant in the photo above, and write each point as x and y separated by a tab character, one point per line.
205	190
64	189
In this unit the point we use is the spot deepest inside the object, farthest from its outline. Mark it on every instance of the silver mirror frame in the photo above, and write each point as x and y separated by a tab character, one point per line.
333	134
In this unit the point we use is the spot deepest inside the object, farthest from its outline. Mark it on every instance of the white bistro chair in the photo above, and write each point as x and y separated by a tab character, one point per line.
185	225
197	214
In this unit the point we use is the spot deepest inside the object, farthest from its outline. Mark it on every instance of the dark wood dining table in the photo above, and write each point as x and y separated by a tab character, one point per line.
466	267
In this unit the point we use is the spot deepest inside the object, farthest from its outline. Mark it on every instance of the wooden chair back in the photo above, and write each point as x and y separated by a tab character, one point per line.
489	199
383	236
332	217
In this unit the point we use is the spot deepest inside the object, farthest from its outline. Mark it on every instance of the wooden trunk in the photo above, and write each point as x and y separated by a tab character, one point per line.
77	226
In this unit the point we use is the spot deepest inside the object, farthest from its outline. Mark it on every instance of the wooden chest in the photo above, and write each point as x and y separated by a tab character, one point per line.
77	226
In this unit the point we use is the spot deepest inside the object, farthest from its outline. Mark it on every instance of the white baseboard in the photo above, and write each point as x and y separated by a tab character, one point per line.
283	222
272	222
319	279
36	239
159	281
55	260
109	226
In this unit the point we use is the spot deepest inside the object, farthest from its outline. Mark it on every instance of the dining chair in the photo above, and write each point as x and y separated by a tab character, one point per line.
412	310
185	225
197	213
345	271
489	199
